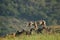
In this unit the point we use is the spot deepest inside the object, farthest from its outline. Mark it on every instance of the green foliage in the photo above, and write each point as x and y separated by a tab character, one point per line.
31	9
14	10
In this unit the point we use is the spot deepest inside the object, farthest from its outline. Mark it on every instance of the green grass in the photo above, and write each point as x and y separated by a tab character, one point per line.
34	37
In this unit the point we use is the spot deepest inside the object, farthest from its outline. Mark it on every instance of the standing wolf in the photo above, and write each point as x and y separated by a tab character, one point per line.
41	24
31	26
38	26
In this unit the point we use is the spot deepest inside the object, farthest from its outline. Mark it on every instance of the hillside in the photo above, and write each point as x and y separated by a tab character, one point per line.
48	10
10	25
26	10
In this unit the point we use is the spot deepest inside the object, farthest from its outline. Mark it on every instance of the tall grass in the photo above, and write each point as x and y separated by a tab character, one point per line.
34	37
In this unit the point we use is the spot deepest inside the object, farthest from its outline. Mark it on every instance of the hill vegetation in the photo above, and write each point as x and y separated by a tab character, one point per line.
13	13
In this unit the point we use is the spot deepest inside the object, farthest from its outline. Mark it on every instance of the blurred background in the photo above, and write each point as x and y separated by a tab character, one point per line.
15	13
